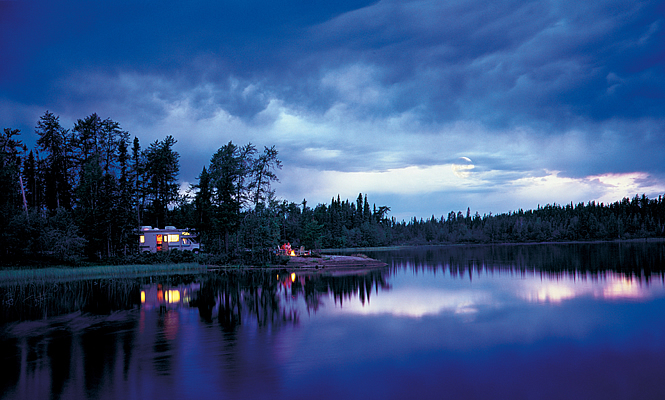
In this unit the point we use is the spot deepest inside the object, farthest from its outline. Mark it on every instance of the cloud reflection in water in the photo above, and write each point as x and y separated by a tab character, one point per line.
417	302
456	296
609	285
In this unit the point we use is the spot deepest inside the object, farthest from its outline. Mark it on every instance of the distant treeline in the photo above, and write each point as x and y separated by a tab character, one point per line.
349	224
82	194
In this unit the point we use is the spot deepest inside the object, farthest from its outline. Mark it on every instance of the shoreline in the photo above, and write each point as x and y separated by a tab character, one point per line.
328	263
415	246
60	274
335	264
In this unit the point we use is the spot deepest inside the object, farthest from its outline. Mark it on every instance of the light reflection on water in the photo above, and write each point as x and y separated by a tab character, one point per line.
418	300
475	323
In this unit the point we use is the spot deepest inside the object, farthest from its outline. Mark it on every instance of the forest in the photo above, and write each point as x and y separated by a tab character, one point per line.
82	194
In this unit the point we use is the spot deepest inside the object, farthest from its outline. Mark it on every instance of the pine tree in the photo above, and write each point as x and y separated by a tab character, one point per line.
53	140
138	178
263	172
162	167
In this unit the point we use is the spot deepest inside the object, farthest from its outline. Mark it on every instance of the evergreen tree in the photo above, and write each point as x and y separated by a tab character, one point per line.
162	167
138	179
31	181
54	141
10	180
125	233
263	172
203	202
90	210
227	174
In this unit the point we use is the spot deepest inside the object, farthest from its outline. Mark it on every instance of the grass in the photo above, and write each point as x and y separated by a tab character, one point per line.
96	272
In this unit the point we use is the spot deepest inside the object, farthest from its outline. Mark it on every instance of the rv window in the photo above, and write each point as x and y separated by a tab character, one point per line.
174	238
142	239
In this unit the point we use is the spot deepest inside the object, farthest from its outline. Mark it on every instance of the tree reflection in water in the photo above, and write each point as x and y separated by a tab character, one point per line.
34	300
267	296
271	297
633	259
232	332
79	338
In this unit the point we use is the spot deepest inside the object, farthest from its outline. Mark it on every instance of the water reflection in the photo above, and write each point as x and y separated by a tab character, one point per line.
270	298
434	318
606	286
265	296
43	299
465	281
640	259
157	295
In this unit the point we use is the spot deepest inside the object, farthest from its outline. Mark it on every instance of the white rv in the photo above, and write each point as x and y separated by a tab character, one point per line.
155	239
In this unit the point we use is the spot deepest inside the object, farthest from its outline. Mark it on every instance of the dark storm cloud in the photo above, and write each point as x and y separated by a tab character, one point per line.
508	62
528	90
502	63
50	39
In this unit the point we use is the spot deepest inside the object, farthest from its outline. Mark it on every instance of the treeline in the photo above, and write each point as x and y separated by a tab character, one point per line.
349	224
82	194
640	217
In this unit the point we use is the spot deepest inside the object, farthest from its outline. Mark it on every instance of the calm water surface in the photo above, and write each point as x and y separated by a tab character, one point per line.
521	322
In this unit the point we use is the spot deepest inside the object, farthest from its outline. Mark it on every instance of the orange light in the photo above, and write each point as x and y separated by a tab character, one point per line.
142	296
293	253
293	276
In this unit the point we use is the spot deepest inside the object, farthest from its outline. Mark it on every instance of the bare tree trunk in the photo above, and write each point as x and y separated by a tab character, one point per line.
25	202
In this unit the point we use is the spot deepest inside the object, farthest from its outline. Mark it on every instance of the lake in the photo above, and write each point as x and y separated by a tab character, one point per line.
559	321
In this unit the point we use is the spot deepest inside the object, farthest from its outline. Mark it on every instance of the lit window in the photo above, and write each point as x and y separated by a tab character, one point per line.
185	234
142	239
174	238
172	296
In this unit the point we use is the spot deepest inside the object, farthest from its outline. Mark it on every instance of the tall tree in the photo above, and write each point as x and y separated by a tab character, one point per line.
10	170
99	194
31	181
358	215
138	179
87	137
91	210
54	141
226	177
124	217
203	202
111	136
162	167
263	173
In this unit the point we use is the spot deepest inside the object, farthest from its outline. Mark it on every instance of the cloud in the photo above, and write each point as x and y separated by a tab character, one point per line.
559	99
395	156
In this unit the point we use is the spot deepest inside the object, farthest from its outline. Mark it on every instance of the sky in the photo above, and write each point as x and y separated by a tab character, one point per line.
424	106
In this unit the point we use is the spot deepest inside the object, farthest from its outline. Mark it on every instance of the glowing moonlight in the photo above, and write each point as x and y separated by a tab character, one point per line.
462	167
